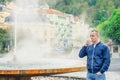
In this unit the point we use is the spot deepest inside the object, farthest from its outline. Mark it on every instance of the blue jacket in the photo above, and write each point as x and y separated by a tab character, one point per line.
98	58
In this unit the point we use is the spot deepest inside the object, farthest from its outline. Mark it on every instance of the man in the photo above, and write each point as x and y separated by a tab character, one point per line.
98	57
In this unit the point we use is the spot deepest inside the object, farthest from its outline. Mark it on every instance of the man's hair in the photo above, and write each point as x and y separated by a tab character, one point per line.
96	31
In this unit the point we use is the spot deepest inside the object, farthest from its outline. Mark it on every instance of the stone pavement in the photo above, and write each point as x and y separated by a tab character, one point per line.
112	74
109	75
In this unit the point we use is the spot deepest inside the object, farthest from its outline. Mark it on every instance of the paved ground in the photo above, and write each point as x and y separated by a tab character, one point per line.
109	75
115	65
112	74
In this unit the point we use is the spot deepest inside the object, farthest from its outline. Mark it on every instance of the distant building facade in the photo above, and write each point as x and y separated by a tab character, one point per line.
66	27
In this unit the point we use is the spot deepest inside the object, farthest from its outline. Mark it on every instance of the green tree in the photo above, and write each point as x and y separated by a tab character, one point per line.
92	2
75	7
69	2
103	30
4	37
114	29
4	1
111	27
117	3
99	16
103	10
97	10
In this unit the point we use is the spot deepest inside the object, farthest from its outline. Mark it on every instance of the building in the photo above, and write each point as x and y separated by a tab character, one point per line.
62	27
114	49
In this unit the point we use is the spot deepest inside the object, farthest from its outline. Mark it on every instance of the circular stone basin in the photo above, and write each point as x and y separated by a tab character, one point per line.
44	66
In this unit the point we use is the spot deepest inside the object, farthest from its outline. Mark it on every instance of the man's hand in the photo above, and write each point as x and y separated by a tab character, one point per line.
87	42
99	73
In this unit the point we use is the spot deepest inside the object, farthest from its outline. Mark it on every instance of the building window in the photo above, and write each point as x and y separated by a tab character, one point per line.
1	8
115	49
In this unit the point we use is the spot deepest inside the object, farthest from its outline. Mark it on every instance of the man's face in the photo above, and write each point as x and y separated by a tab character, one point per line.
94	37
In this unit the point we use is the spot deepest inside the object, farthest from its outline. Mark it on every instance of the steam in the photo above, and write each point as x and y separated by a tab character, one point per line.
30	37
29	32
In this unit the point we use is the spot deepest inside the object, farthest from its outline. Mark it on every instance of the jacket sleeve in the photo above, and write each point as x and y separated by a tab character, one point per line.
106	57
83	52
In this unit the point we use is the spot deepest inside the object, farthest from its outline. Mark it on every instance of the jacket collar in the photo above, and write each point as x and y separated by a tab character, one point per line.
97	43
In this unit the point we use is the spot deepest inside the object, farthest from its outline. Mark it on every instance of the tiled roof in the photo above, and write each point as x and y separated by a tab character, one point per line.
51	11
76	18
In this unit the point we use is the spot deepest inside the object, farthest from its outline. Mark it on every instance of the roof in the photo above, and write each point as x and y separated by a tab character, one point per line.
51	11
76	18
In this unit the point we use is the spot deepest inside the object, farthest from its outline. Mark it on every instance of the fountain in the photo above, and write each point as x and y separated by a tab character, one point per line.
34	53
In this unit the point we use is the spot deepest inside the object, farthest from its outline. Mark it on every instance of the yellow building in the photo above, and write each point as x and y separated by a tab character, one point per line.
3	15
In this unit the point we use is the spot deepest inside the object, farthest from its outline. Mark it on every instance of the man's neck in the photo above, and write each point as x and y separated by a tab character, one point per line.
96	42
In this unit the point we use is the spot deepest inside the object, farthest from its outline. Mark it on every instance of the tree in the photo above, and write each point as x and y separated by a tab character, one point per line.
102	12
92	2
99	17
111	27
69	2
4	1
103	30
117	3
114	29
4	39
75	7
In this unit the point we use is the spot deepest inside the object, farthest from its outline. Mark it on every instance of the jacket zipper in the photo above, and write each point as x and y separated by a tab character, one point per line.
92	60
